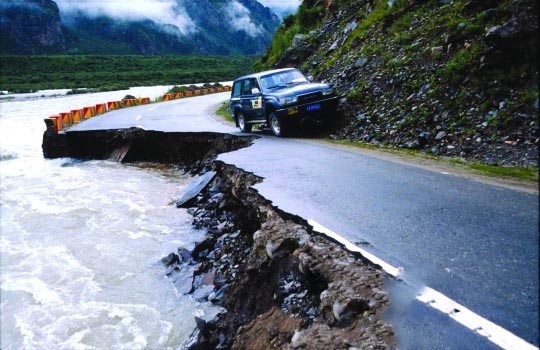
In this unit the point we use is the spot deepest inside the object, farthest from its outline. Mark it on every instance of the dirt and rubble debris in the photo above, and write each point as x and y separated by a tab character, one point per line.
281	285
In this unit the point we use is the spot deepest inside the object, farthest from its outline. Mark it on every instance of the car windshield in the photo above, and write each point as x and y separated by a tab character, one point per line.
282	79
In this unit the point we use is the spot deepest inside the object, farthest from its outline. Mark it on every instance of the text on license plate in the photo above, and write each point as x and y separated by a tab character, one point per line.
313	107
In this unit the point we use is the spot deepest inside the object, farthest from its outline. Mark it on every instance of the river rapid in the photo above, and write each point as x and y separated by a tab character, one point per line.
81	242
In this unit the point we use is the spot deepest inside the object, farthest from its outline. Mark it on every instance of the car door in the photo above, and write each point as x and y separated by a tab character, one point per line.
236	102
251	99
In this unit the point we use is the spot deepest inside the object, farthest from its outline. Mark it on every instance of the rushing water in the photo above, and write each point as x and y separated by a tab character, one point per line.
81	242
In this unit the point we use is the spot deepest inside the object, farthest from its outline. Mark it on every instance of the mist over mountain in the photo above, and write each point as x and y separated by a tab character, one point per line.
147	27
282	8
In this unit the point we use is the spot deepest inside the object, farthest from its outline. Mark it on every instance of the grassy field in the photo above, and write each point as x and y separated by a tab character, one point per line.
31	73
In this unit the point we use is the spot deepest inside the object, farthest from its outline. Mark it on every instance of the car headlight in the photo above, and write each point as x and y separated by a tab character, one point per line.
327	92
288	100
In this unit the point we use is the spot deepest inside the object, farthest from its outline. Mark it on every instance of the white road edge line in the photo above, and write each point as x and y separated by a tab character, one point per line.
152	109
138	117
494	333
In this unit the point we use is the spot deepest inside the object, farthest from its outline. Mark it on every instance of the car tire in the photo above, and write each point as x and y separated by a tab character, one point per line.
244	127
276	125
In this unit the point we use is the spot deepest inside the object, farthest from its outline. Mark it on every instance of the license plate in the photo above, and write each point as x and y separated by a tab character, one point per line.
313	107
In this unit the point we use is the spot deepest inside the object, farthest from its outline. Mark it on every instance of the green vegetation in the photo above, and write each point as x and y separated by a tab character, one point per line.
308	17
104	73
527	174
530	174
224	111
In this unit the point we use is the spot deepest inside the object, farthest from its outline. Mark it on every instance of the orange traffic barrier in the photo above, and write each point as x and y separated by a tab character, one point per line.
129	102
212	90
67	118
196	92
178	95
228	88
57	121
113	105
101	108
76	115
144	100
188	93
168	97
89	112
220	89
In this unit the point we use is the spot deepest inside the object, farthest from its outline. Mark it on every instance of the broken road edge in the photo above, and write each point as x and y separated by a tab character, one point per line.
275	281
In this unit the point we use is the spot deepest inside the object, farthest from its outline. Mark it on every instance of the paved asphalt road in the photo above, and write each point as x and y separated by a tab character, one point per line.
474	242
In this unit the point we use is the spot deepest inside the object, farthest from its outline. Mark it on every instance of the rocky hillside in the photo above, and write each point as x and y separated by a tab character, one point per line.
451	77
30	26
186	27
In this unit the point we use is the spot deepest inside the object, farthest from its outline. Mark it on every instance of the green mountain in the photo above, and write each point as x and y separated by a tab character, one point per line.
30	26
222	27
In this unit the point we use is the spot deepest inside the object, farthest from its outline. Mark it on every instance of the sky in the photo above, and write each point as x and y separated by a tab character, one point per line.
282	7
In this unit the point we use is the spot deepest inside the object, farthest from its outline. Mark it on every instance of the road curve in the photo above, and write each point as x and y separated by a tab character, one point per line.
476	243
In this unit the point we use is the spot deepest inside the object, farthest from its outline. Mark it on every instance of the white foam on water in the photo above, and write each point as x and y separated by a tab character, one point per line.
81	244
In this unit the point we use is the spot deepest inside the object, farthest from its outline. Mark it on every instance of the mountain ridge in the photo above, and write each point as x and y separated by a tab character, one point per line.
40	27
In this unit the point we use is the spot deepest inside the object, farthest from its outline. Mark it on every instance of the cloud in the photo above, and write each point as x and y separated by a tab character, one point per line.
240	19
159	11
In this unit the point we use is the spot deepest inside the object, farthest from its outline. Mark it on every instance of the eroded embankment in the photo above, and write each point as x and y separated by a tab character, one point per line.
187	149
281	285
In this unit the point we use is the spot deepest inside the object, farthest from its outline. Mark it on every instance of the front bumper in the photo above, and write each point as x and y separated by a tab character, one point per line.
313	112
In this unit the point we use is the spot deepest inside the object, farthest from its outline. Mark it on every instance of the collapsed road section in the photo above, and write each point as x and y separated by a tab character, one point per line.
279	284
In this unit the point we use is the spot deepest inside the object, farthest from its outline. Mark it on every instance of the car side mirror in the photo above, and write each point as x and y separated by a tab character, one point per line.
310	78
255	91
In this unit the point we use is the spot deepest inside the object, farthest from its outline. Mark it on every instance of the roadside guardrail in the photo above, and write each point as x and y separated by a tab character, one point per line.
63	120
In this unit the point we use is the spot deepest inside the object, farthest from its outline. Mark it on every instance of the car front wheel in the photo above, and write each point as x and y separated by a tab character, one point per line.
244	127
276	125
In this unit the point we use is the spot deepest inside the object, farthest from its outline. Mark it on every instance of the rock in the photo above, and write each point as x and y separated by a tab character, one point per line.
333	47
360	62
361	117
201	325
271	247
298	38
189	193
412	144
347	309
183	280
437	50
338	309
423	138
170	259
440	135
202	293
184	255
276	250
351	26
209	278
297	339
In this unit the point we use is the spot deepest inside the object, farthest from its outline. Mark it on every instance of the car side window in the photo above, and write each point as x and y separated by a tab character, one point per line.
246	87
236	89
254	84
